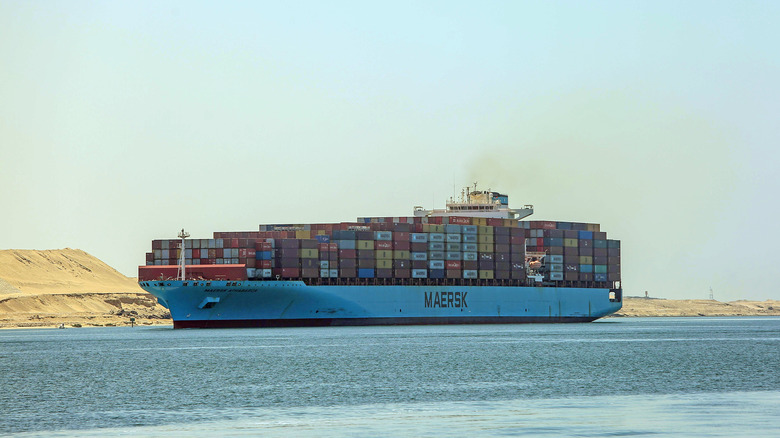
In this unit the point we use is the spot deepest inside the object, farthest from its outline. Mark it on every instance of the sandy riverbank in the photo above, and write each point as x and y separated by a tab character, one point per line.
635	306
70	287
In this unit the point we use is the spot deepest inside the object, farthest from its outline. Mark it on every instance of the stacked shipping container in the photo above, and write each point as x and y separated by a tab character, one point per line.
574	252
414	250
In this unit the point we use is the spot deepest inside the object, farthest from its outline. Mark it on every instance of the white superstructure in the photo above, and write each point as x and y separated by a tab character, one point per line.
479	203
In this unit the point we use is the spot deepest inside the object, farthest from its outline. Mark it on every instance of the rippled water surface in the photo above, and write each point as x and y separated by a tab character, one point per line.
632	376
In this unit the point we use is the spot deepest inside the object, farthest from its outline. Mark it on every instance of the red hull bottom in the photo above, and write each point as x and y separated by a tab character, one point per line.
328	322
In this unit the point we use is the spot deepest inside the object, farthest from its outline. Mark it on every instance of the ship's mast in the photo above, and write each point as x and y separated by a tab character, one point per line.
182	264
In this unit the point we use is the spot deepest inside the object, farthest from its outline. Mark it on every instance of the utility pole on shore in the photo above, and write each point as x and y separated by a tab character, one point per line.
712	295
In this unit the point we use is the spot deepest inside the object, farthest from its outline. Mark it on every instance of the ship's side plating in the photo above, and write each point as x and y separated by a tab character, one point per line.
292	303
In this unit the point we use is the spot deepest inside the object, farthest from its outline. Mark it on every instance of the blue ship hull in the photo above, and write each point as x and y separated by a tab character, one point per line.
219	304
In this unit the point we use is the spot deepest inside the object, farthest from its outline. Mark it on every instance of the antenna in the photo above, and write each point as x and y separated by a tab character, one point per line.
712	295
182	263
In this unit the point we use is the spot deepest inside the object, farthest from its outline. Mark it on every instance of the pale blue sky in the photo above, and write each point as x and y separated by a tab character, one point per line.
121	122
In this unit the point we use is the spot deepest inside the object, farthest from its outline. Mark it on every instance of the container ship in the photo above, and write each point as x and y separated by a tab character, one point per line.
477	261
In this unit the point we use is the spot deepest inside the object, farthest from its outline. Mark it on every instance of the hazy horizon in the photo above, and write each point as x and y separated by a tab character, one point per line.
123	122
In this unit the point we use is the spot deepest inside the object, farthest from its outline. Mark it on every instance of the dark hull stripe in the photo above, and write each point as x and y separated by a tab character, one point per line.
325	322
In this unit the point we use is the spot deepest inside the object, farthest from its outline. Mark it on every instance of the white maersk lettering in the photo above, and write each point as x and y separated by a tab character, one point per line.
446	299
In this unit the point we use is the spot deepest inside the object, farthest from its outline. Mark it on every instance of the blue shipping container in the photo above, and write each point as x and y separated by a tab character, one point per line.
365	273
587	235
436	273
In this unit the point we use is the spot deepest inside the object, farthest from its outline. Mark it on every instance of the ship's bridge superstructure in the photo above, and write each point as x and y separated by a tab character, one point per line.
478	203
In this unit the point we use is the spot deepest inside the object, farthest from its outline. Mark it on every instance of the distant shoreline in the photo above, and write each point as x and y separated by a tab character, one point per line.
661	307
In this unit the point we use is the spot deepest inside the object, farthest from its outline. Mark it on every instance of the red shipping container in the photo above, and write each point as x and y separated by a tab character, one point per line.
173	244
250	262
419	246
210	272
289	272
347	253
219	253
384	273
400	236
150	257
452	264
157	244
348	263
460	220
517	240
322	247
495	222
402	245
348	272
403	273
454	273
264	264
310	272
333	247
196	253
384	244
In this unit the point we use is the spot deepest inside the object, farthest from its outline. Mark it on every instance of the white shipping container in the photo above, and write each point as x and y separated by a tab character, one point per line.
470	273
436	246
453	237
469	229
436	237
267	273
470	238
383	235
334	273
436	255
419	237
419	273
419	256
436	264
470	256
